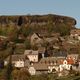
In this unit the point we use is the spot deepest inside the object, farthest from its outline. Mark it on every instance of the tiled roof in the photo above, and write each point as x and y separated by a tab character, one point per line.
70	61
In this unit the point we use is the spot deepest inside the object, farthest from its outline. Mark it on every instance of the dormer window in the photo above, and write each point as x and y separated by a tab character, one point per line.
65	62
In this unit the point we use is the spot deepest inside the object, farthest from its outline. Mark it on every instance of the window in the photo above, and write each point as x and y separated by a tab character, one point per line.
34	59
65	62
68	66
21	63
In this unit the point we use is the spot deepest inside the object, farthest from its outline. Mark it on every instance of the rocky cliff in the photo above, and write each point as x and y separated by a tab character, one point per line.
39	19
37	23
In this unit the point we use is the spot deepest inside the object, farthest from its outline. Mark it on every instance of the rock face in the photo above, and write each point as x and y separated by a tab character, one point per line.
39	19
29	24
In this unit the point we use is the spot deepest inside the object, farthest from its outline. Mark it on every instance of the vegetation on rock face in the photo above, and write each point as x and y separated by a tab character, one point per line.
35	23
63	29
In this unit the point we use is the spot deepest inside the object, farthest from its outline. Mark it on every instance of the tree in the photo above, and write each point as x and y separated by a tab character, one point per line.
2	74
22	74
20	21
4	31
9	70
9	67
62	28
27	44
26	30
15	74
12	33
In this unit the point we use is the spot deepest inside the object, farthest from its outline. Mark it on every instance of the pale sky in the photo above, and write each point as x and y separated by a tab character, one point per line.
23	7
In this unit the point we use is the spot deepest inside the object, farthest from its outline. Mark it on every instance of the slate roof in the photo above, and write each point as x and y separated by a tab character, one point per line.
30	52
51	60
60	54
48	60
42	65
16	57
39	66
41	50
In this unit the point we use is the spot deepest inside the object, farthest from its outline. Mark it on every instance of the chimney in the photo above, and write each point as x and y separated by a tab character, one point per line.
42	55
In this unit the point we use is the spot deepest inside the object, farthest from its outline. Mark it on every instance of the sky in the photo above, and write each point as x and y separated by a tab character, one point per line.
23	7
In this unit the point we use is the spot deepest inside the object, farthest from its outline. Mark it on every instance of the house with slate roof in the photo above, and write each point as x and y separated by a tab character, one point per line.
60	54
32	55
35	39
18	61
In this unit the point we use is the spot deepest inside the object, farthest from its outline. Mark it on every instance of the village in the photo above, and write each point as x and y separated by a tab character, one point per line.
45	60
39	46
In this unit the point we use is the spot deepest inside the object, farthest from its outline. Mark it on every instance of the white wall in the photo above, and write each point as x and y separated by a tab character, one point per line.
32	70
16	63
65	65
33	58
19	64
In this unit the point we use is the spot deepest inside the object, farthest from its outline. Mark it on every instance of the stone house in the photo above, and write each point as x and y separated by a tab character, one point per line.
66	64
38	68
35	39
18	61
45	65
32	55
52	63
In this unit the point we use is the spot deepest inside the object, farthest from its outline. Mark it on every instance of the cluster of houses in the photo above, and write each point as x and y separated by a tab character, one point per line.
36	61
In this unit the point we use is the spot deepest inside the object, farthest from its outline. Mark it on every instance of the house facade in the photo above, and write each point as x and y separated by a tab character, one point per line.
17	61
35	39
53	68
32	55
65	65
